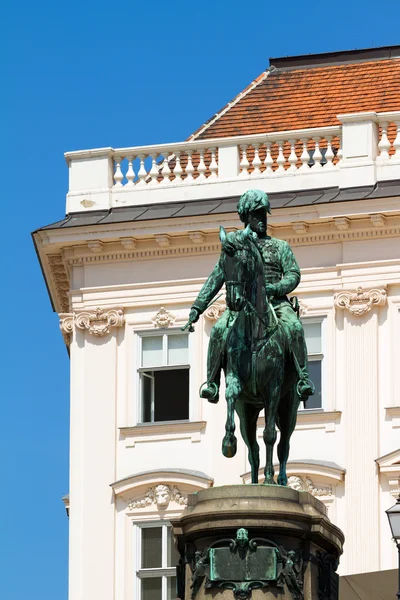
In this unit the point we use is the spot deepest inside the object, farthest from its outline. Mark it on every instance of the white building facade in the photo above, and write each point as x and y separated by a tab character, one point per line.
123	269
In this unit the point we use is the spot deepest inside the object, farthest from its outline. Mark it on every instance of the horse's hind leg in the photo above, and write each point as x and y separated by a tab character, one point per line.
233	390
269	435
287	416
248	415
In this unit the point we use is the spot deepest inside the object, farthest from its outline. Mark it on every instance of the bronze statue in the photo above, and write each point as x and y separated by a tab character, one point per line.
259	340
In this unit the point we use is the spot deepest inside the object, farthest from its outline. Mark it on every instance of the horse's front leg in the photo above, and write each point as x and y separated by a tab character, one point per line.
271	405
233	390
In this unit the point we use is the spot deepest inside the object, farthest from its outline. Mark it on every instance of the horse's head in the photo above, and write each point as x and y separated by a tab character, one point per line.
240	261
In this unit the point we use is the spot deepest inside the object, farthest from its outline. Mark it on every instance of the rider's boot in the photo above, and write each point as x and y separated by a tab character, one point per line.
304	386
210	389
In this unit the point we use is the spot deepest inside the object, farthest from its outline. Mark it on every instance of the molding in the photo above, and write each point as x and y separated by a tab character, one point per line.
177	477
389	466
163	318
328	472
161	494
361	301
311	419
59	279
163	431
394	413
97	322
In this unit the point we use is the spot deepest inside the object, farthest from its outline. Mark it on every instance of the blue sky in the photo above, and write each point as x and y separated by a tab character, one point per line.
88	74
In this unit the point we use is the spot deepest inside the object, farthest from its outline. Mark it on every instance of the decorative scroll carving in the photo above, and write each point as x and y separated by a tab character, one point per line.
163	240
214	311
163	318
96	246
66	322
300	227
99	322
197	237
128	243
342	223
306	485
161	495
60	278
378	220
361	301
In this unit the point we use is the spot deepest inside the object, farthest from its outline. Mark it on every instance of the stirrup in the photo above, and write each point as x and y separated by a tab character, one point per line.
210	391
304	394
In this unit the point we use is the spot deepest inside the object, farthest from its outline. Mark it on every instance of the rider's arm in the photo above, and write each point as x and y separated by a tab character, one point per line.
290	272
211	287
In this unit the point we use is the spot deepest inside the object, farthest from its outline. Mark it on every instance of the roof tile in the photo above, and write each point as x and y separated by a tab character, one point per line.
308	97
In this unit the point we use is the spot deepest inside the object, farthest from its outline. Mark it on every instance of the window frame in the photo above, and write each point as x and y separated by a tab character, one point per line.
315	357
140	573
164	333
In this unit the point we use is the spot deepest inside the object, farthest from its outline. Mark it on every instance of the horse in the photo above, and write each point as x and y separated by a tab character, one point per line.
258	362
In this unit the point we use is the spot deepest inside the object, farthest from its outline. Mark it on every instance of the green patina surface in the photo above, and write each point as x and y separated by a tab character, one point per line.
259	340
260	564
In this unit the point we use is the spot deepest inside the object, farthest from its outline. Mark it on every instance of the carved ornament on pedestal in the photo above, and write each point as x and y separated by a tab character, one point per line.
163	318
361	301
161	495
304	484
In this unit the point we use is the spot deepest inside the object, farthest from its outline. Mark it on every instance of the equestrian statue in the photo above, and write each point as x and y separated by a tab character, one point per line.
259	340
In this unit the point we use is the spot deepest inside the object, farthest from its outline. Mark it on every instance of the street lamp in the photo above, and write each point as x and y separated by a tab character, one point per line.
394	522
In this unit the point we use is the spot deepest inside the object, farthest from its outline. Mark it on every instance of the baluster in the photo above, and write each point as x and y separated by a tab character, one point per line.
130	174
189	168
118	176
166	171
213	164
305	157
256	161
281	160
201	167
142	173
154	171
384	144
317	156
329	155
396	143
269	161
293	156
244	163
178	168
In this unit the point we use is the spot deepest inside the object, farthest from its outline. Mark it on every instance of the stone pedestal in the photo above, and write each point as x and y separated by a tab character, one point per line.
259	542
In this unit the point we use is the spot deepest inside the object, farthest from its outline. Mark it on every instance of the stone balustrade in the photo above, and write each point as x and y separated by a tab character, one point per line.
198	169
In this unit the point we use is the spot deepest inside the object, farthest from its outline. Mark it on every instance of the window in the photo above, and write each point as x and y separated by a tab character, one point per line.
164	377
156	559
313	334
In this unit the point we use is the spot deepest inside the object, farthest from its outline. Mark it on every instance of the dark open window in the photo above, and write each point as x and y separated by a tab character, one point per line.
313	334
164	377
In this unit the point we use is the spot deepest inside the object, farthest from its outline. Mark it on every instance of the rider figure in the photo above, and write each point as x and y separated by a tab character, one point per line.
282	276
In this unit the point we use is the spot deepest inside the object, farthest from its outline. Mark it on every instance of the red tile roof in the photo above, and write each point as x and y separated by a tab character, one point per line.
299	98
